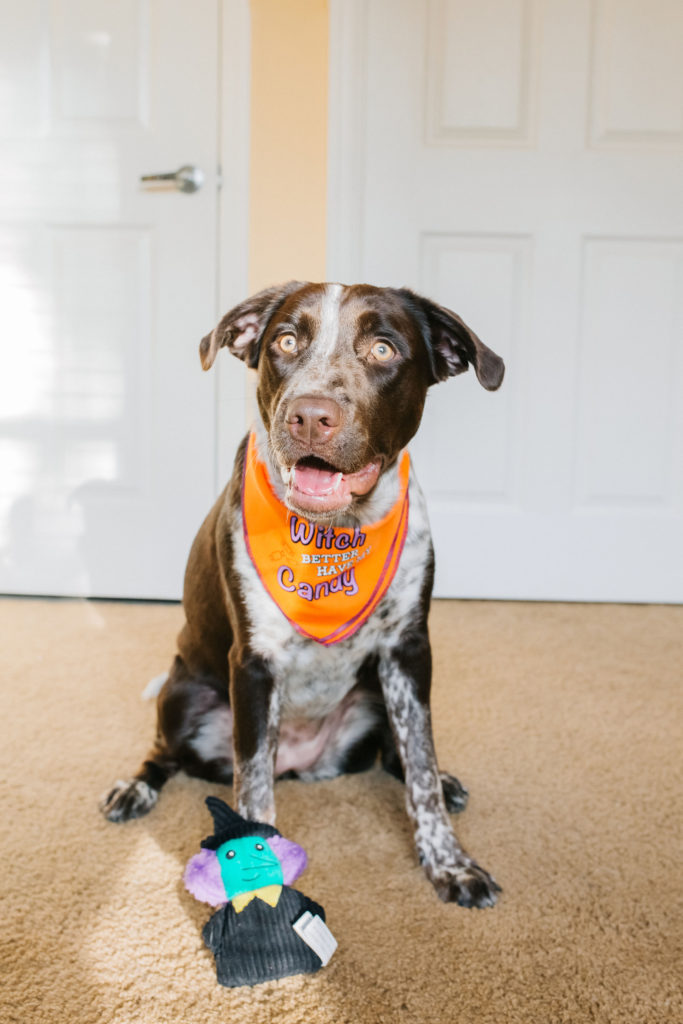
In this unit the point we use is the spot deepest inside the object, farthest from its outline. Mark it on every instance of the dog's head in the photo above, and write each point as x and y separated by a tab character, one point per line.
343	373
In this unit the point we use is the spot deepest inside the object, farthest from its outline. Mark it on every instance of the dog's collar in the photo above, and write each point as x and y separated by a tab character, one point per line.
327	581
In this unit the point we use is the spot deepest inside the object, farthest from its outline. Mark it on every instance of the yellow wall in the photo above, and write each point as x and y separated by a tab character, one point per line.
289	65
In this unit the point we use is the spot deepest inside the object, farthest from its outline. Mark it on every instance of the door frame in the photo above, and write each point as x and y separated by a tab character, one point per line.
232	236
346	139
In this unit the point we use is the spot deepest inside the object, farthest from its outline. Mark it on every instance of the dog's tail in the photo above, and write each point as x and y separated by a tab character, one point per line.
153	688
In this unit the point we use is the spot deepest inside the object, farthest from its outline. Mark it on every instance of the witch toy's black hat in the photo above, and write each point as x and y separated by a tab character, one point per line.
228	824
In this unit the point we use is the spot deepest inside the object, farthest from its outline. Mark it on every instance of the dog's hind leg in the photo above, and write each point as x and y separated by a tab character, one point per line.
131	798
194	734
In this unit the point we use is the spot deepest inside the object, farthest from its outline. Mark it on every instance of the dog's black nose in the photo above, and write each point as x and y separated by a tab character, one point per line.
312	419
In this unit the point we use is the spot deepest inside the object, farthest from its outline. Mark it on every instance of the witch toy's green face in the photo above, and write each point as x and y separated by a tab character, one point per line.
247	864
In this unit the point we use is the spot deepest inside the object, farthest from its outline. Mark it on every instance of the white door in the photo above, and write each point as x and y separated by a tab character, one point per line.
521	162
107	424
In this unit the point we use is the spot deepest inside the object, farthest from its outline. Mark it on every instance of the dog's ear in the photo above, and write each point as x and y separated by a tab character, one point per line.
453	346
242	328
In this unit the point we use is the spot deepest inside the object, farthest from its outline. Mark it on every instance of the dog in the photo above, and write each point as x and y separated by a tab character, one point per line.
305	651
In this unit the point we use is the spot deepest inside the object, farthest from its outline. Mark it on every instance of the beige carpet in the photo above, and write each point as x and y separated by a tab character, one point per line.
563	721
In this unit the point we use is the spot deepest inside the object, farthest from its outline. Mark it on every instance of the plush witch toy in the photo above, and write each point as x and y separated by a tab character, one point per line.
264	929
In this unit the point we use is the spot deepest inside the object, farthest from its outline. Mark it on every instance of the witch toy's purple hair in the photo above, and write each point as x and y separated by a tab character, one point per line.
203	874
203	878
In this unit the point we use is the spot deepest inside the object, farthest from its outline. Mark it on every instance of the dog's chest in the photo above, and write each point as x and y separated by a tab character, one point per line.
312	678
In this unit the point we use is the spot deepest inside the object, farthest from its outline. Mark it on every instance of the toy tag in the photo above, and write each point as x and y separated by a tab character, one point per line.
317	935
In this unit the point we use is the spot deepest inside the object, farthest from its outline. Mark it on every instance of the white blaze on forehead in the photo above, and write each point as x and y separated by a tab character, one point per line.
329	321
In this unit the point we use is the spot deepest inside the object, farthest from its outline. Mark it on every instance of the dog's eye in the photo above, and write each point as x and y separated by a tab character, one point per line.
288	344
382	351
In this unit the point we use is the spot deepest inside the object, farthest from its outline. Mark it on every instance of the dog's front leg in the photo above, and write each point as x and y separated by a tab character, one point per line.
255	703
405	674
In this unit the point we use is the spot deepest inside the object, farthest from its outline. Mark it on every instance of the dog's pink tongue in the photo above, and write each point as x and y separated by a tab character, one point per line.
314	489
316	482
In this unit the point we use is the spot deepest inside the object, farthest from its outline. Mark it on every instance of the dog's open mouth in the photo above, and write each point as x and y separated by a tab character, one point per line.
316	486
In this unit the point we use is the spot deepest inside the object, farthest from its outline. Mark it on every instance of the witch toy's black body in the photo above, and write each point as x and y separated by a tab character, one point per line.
260	942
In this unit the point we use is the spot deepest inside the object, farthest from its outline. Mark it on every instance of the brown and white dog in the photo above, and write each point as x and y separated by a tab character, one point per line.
343	374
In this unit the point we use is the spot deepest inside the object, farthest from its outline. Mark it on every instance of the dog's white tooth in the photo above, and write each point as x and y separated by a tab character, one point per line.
285	474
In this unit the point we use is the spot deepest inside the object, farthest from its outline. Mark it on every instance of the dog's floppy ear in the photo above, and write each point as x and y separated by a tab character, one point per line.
453	346
242	328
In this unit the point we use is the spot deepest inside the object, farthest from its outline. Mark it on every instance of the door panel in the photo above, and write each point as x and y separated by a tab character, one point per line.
107	425
635	91
521	162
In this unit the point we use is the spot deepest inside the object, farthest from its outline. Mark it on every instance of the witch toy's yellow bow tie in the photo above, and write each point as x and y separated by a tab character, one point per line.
268	893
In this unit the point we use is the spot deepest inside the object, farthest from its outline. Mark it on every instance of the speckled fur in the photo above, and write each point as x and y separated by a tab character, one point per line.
313	680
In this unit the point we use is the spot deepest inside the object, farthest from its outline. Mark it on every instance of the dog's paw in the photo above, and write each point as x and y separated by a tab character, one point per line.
130	798
455	794
468	886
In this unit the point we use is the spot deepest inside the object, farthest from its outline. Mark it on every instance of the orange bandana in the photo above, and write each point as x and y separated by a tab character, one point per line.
326	580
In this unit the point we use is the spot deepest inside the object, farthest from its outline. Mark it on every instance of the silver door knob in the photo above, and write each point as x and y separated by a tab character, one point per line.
185	179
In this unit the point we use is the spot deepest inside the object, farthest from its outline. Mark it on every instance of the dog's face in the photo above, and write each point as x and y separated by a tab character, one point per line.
343	373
